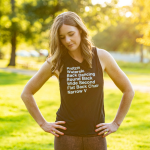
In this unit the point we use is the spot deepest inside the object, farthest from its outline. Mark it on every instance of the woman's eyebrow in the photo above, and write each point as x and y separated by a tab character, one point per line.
68	32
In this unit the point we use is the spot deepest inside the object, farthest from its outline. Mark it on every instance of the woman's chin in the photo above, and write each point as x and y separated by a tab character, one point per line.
73	48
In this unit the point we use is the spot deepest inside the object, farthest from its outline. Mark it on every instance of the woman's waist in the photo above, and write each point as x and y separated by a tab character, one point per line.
81	124
79	129
78	118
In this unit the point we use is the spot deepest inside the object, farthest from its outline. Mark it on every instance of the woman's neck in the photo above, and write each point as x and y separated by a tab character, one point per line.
76	55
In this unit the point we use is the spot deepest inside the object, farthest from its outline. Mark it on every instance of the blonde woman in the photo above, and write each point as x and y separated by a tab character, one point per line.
79	66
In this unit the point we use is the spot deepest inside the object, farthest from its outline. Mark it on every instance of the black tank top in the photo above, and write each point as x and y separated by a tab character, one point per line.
81	91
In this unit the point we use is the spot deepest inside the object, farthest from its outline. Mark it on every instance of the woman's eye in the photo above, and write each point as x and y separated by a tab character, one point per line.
69	35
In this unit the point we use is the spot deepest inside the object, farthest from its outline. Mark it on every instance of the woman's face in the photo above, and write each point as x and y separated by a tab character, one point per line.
70	37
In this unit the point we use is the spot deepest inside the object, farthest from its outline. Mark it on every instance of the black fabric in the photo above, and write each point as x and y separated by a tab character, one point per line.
67	142
81	90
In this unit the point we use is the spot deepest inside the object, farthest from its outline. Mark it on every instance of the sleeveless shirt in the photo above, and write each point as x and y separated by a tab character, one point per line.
81	92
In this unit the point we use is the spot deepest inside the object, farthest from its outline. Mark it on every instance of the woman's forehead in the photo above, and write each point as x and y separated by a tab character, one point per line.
64	29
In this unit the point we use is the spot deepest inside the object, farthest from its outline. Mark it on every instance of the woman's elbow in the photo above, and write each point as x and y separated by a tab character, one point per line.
25	95
130	92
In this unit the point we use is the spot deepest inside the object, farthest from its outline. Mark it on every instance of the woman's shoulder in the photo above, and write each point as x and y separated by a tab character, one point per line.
56	72
106	58
103	55
101	52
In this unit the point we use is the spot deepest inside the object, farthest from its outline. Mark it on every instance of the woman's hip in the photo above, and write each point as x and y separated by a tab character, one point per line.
69	142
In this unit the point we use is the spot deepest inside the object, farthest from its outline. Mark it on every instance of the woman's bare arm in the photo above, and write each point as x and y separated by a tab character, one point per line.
121	81
33	85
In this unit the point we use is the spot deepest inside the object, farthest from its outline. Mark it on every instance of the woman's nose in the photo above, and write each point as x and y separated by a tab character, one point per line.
67	39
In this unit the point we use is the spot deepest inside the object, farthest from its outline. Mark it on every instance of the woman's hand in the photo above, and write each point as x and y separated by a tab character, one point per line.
51	127
106	127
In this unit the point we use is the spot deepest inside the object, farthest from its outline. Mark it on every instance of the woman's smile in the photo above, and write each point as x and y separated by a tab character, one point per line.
70	45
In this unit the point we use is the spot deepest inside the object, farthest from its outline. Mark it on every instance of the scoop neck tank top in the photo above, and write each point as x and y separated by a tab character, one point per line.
81	92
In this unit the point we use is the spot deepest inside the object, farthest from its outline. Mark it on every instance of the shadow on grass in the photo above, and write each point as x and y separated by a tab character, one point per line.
29	146
46	104
14	127
7	78
136	127
13	123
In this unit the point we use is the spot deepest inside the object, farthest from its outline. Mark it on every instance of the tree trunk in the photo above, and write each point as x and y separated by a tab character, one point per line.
141	49
13	38
13	50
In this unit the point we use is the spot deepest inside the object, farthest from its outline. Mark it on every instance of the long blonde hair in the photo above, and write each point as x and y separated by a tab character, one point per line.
57	50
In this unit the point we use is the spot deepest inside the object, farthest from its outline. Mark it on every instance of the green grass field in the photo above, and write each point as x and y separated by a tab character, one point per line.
19	131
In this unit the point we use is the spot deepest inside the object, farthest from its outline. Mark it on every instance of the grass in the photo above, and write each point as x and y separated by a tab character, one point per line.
133	132
19	131
132	68
135	78
17	127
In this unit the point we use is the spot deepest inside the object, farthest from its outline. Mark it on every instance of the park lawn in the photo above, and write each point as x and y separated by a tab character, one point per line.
132	68
135	78
19	131
133	133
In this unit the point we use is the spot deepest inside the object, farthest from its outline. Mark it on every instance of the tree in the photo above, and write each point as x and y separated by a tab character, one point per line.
13	35
118	38
11	26
141	16
30	20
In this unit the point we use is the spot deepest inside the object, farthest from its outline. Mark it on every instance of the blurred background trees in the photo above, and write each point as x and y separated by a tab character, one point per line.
141	15
26	24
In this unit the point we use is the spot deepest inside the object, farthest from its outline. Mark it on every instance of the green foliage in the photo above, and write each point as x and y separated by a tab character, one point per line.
41	13
10	22
33	18
141	15
31	21
99	17
118	38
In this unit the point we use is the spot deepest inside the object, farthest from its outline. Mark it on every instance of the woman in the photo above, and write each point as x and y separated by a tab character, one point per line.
79	66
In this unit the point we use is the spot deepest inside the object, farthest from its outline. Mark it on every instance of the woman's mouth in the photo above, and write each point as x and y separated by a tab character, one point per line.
70	45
